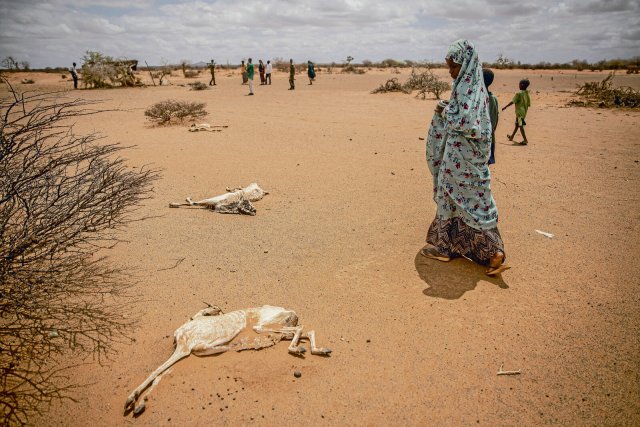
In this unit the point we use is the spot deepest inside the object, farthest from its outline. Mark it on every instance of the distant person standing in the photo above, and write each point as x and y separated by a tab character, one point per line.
311	72
74	75
212	68
268	73
522	101
244	73
292	75
488	76
250	73
261	71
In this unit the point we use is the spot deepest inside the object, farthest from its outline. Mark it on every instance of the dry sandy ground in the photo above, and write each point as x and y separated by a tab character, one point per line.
416	342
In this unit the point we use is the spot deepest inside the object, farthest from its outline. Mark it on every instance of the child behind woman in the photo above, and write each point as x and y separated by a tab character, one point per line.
487	76
522	102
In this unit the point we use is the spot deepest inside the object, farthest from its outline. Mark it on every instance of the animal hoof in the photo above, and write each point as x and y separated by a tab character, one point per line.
298	351
139	409
128	405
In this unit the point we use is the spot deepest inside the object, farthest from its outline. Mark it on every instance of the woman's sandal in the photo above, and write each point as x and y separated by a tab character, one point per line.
496	265
432	253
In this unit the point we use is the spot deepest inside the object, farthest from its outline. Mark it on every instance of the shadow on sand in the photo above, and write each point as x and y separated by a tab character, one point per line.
450	280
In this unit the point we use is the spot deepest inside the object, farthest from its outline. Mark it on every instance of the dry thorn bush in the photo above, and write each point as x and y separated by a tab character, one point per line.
424	82
64	199
167	112
189	74
198	86
101	71
392	85
604	95
350	68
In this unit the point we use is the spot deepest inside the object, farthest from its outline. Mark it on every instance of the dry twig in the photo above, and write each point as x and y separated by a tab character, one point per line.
501	372
178	262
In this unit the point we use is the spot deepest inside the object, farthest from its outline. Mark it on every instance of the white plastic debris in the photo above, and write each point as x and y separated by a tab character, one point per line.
544	233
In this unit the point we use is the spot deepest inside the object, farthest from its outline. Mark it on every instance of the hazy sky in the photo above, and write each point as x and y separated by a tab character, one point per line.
58	32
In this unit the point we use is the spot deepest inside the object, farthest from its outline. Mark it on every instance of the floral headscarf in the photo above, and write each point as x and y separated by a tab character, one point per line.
468	111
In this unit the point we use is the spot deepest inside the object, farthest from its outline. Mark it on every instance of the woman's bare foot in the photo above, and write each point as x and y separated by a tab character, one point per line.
496	264
432	253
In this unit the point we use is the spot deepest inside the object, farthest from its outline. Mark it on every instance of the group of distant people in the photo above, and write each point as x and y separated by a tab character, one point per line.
265	71
460	146
248	73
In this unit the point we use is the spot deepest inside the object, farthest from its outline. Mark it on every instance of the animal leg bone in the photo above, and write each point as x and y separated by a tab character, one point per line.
311	335
292	333
294	348
178	354
289	333
188	202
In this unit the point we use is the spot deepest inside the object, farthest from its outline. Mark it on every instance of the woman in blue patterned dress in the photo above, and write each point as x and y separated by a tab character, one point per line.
458	148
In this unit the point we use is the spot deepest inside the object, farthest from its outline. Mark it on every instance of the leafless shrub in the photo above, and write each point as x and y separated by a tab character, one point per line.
350	68
604	95
163	73
63	199
281	65
198	86
189	74
166	112
392	85
425	81
390	63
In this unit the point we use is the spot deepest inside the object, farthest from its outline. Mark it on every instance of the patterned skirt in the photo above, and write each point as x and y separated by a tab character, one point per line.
453	238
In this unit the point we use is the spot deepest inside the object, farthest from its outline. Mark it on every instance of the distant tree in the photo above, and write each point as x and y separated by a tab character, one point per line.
10	63
390	63
503	62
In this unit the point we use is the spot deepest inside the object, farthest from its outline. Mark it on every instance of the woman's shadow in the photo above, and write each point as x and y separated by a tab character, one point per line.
450	280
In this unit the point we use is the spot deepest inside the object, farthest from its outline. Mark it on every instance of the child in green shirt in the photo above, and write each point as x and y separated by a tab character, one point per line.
522	102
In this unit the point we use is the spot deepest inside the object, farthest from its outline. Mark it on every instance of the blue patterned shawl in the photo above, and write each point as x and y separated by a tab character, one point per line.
468	109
